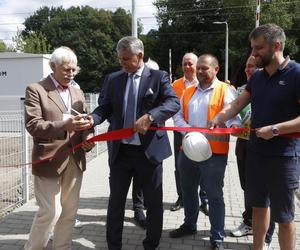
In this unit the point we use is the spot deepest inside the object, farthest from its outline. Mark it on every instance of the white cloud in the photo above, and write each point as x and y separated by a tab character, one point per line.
14	12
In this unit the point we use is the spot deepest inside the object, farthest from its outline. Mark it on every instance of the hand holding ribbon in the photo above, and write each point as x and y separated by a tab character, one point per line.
142	124
128	132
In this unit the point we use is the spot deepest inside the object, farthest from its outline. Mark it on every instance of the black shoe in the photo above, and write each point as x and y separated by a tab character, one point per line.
204	208
140	218
177	205
183	230
217	246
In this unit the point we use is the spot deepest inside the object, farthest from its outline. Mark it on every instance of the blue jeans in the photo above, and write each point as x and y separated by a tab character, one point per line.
211	174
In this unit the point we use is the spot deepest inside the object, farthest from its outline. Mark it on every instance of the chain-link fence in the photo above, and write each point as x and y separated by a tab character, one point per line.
16	185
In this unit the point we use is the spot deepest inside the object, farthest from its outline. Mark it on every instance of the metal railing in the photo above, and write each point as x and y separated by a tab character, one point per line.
16	182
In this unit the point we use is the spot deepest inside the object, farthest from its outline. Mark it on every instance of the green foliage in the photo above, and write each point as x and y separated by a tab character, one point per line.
19	42
286	15
91	33
3	47
150	45
187	25
34	42
184	26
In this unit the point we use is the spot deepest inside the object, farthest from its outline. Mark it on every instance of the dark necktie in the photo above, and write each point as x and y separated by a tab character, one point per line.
130	113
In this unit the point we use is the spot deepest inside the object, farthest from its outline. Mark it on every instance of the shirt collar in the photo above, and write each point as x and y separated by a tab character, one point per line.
194	81
212	85
284	63
138	72
280	67
57	85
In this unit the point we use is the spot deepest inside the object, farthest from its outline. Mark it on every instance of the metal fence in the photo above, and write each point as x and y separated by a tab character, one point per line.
16	182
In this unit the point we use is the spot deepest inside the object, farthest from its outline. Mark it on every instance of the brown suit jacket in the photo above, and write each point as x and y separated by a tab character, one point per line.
44	110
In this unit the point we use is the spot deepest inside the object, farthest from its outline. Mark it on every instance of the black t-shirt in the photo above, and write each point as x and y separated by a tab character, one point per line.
275	99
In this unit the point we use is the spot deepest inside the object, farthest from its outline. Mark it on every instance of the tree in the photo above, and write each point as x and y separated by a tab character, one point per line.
19	43
150	42
188	26
286	15
3	47
91	33
35	42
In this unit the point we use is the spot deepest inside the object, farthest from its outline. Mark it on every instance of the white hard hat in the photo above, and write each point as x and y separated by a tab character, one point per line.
196	147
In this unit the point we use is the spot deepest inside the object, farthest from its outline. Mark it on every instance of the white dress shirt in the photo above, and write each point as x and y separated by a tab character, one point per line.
198	108
137	78
188	83
64	94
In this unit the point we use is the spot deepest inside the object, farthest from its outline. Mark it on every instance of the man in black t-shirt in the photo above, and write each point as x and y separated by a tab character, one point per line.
273	158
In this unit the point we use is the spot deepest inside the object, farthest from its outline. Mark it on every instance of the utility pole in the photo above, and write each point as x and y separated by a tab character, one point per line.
133	20
170	65
226	47
257	16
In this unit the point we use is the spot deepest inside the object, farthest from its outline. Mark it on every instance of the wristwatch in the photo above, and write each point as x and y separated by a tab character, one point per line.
275	130
151	118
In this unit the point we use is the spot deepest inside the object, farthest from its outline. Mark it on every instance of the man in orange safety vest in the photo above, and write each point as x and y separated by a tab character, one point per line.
199	105
189	78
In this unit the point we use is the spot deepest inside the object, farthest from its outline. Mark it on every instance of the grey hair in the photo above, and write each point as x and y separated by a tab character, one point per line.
134	44
63	54
191	55
271	32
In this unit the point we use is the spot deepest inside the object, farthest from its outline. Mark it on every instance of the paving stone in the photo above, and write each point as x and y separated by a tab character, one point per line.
15	227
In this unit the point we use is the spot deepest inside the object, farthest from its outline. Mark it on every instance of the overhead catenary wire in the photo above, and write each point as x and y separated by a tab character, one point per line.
174	12
183	13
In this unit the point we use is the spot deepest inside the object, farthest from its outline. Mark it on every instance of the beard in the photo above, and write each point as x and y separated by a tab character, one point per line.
202	79
265	60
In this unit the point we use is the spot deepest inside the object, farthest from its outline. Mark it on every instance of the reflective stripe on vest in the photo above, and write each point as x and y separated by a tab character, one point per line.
179	87
219	143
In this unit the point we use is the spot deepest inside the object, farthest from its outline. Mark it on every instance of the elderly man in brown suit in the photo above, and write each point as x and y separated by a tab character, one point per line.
49	109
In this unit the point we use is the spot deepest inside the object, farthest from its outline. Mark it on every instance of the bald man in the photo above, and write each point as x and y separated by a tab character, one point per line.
189	62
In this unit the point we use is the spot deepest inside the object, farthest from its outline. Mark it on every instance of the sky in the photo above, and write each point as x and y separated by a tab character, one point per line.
14	12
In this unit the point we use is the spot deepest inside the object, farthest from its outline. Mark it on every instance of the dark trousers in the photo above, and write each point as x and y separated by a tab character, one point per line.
241	155
131	161
137	194
177	142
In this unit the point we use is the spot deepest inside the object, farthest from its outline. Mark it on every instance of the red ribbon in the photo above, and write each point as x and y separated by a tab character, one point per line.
218	131
109	136
127	132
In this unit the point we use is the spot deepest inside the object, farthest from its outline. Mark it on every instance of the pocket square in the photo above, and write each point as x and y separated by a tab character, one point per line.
149	92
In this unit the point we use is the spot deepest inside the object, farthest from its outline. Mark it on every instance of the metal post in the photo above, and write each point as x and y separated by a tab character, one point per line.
133	20
226	47
257	16
226	53
25	156
170	65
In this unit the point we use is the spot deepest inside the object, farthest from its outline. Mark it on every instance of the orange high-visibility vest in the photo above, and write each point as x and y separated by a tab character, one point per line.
179	87
219	143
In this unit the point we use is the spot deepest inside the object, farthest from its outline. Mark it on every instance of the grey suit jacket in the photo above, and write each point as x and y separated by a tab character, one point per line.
44	110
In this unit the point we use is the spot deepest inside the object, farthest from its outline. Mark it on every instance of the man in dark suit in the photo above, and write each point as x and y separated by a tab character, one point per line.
149	95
